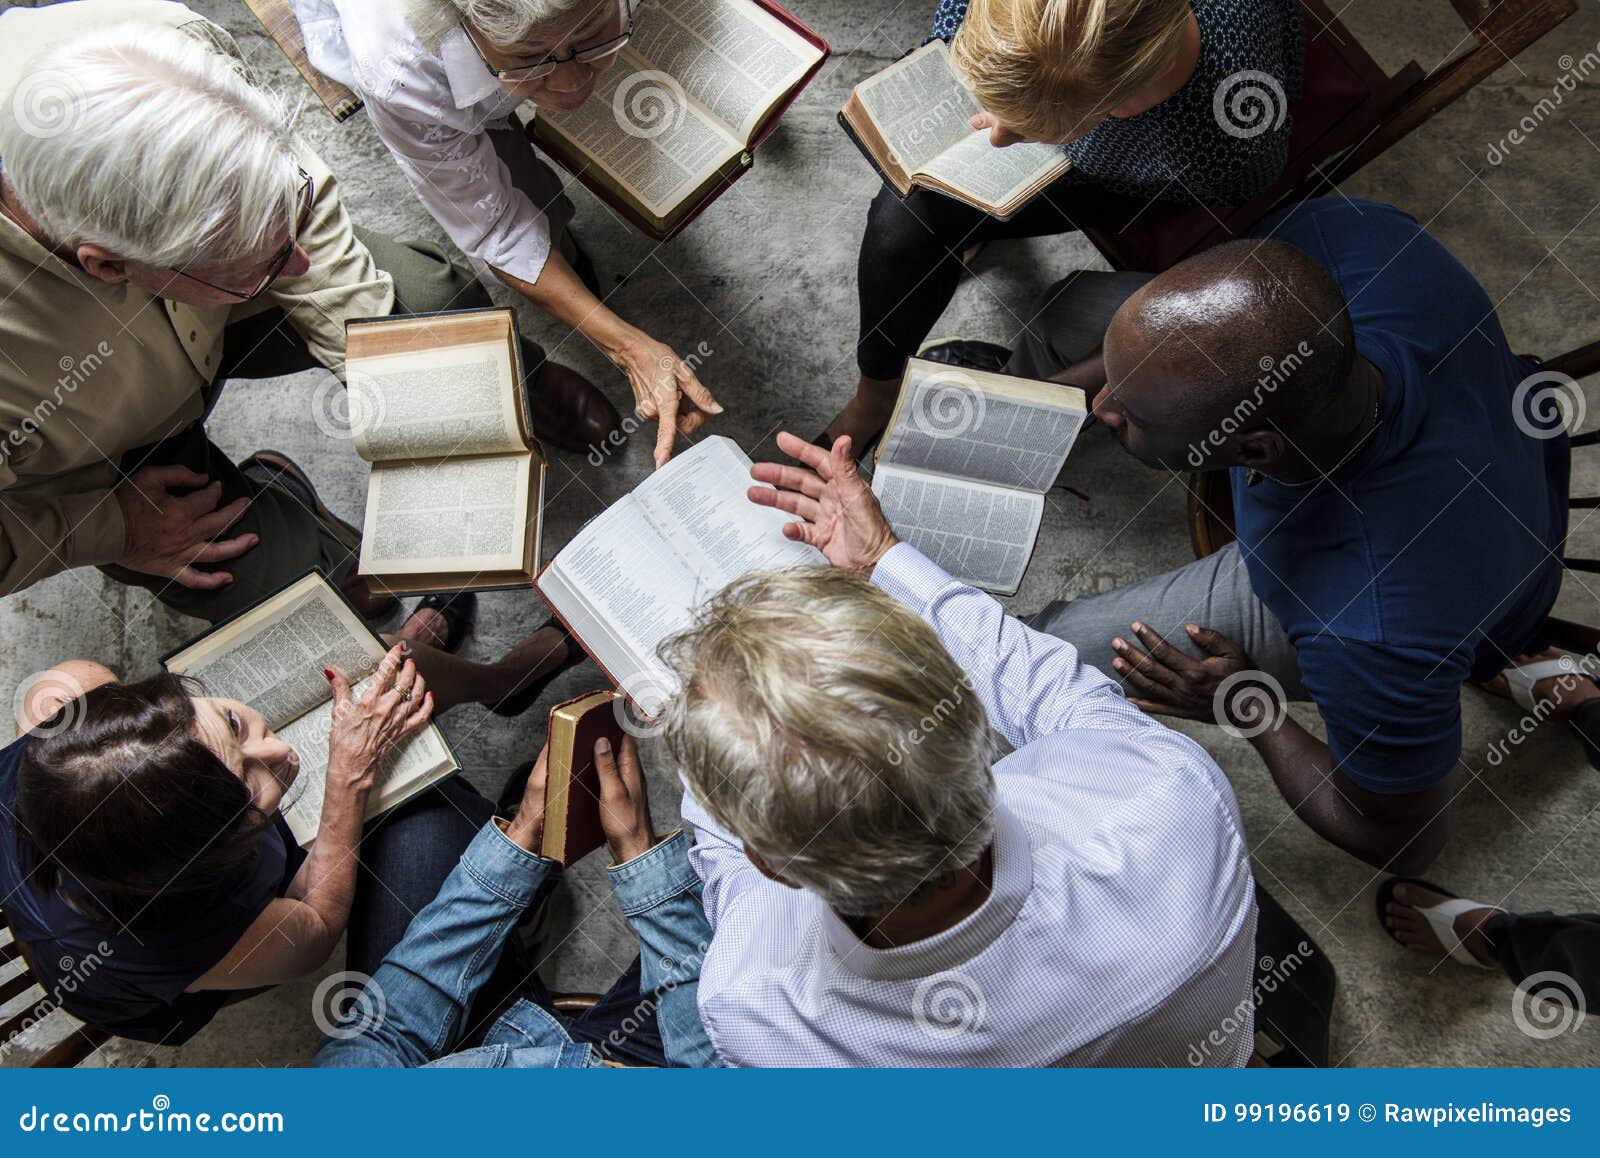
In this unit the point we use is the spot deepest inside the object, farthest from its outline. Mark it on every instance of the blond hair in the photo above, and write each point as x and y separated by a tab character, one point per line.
1051	69
825	726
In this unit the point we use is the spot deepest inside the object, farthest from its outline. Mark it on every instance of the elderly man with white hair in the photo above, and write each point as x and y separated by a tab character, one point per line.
161	231
440	80
883	889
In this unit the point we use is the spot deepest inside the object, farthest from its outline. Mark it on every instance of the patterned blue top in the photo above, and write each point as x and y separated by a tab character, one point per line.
1220	139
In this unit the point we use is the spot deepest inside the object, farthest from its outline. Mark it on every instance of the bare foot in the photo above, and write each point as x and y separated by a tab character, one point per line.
1412	930
1562	693
540	653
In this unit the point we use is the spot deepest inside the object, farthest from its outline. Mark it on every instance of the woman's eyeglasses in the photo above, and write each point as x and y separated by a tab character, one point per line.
589	54
307	198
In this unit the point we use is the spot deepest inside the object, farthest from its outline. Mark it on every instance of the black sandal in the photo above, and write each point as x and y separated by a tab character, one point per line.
521	697
457	608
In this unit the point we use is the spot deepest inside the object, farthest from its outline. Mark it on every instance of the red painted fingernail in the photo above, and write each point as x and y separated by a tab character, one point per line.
328	671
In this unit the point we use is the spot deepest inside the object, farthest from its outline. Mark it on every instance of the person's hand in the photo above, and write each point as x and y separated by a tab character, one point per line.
166	534
1170	683
840	514
624	803
664	388
397	703
526	828
999	135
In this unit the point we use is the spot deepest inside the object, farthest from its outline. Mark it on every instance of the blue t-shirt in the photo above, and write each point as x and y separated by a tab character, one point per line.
1433	555
129	982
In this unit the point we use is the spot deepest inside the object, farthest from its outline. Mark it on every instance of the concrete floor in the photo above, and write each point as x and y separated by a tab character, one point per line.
765	283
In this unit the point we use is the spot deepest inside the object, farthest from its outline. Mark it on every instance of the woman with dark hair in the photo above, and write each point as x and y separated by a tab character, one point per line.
144	867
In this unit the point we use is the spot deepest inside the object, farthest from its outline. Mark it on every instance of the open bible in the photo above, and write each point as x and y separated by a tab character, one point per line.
271	657
912	122
674	120
965	464
438	408
637	572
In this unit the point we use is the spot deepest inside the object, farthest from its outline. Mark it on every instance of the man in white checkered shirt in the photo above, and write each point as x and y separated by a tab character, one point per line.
882	889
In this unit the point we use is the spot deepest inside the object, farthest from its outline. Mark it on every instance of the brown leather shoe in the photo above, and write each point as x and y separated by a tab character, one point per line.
569	411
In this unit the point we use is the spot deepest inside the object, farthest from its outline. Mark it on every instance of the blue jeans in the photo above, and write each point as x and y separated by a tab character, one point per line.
417	1008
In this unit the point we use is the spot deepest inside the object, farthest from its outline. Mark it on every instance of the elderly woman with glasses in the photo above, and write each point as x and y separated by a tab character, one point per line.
440	79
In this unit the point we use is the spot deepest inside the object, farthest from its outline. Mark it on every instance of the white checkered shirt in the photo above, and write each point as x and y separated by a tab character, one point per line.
1120	927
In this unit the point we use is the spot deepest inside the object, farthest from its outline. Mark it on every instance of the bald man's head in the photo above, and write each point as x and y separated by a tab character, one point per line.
1249	340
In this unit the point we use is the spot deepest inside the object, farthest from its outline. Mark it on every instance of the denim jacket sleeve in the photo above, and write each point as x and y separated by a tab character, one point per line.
659	893
412	1010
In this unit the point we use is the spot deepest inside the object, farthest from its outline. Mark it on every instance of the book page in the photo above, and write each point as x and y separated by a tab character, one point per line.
411	766
698	502
640	129
980	534
950	424
918	106
456	514
989	175
272	658
729	55
434	403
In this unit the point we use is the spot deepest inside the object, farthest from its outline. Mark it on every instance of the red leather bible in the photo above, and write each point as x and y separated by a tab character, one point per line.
645	145
572	791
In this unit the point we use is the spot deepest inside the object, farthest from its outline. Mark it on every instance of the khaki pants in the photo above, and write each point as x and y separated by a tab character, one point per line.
293	538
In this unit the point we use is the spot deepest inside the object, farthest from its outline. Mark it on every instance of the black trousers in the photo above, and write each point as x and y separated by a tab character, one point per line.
1528	943
910	259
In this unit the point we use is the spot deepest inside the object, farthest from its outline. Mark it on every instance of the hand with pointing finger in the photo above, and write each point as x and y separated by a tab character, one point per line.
664	388
167	534
839	514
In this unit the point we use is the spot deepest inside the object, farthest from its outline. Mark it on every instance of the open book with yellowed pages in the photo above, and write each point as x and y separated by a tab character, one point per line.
912	121
438	408
271	657
677	115
965	463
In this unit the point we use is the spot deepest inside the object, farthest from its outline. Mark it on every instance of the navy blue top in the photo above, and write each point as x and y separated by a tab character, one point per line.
129	982
1433	555
1221	138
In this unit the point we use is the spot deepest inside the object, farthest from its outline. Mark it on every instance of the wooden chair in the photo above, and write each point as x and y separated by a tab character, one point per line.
279	21
16	979
1350	110
1210	506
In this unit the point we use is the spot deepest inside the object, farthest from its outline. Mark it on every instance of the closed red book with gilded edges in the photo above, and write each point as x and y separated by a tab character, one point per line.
572	791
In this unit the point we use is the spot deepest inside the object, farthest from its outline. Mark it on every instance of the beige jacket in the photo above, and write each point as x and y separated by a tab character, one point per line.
89	371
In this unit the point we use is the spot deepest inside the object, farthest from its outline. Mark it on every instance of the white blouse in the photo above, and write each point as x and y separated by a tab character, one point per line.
431	109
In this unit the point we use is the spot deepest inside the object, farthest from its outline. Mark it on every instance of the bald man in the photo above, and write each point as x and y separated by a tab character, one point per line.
1400	524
